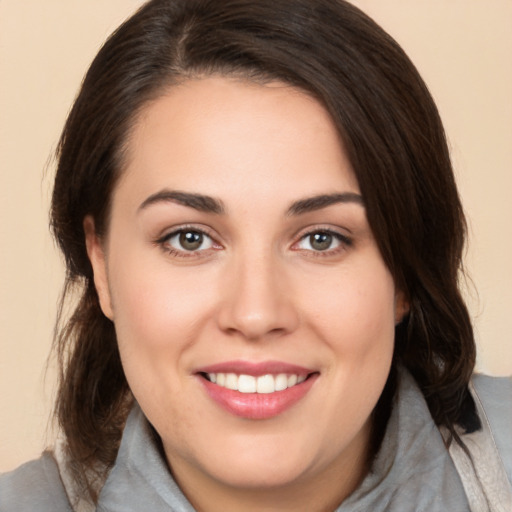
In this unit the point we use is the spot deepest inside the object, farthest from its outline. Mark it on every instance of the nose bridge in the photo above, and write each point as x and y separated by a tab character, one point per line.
258	301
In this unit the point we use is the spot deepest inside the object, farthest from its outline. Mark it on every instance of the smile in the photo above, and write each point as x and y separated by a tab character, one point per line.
264	384
256	391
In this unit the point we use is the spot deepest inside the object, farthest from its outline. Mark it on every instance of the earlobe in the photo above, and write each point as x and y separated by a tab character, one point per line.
401	307
96	254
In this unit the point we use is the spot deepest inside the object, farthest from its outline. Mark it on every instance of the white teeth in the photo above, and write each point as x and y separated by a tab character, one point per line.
281	382
265	384
249	384
231	381
292	380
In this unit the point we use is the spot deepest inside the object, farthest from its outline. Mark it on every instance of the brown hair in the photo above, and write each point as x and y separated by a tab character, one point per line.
392	133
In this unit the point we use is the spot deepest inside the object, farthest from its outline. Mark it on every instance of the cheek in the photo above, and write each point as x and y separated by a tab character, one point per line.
159	315
354	318
155	307
152	317
354	311
155	327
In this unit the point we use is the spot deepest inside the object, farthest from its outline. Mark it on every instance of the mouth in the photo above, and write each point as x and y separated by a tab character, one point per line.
256	391
264	384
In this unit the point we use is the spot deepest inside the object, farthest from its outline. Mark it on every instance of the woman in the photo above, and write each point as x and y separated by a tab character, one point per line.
256	203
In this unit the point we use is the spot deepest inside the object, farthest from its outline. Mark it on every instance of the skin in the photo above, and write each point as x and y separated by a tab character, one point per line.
257	289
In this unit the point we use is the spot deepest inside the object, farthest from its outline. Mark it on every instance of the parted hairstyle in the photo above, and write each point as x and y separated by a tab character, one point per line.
391	131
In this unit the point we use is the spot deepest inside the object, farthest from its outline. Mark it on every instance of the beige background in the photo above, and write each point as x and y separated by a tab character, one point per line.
463	48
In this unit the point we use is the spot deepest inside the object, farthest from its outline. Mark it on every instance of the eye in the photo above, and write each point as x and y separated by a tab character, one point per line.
322	241
187	240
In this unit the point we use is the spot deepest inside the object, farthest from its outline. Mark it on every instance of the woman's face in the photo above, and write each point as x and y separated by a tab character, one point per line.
239	255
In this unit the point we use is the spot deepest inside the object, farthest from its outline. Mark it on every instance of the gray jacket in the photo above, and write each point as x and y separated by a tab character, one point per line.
413	471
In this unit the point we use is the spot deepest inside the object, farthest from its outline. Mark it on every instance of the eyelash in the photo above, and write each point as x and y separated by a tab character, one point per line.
163	242
344	241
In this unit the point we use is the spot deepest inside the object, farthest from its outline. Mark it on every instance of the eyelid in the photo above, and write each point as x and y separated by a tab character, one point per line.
343	233
162	240
345	240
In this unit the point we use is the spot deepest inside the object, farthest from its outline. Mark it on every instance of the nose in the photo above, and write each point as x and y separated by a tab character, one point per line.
257	301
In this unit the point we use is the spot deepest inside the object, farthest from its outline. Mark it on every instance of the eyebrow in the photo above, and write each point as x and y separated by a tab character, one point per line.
210	204
314	203
197	201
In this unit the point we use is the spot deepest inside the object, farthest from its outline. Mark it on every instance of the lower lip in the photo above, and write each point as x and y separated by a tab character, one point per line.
257	406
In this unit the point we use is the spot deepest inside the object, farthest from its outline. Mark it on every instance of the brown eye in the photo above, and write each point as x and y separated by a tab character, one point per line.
191	240
187	241
321	241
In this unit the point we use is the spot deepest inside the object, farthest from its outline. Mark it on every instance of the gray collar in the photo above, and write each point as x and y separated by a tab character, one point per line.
413	470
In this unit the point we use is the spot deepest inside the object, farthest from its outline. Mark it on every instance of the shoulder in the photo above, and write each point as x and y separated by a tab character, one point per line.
34	486
495	394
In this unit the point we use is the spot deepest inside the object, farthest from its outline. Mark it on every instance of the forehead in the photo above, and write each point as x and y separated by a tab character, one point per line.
215	135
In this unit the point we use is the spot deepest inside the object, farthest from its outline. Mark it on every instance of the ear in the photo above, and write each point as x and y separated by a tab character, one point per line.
96	254
402	306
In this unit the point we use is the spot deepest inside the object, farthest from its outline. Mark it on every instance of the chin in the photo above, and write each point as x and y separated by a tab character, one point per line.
261	476
259	464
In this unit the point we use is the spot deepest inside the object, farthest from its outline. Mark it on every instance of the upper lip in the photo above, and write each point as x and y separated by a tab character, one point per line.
256	369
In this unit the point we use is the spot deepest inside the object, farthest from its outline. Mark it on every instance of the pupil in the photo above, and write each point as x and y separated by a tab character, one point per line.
191	240
321	241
